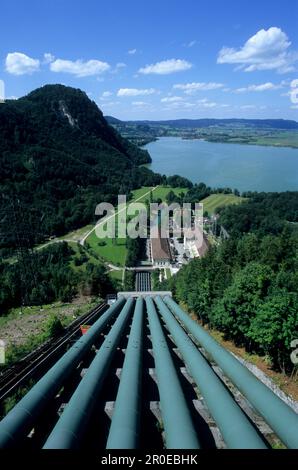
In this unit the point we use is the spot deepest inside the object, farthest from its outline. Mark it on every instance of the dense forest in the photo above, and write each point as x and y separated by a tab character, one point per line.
58	159
44	276
247	287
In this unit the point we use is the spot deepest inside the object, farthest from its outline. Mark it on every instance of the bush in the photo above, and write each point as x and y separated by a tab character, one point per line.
54	327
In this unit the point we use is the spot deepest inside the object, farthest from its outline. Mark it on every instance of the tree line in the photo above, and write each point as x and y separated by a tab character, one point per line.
48	275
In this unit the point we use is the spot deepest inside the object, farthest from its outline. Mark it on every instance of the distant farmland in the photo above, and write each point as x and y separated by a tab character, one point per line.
214	201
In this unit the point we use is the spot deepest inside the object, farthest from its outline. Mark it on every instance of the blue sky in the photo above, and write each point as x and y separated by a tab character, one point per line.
161	59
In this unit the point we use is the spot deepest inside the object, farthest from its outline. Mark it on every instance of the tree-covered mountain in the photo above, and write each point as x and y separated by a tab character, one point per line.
59	158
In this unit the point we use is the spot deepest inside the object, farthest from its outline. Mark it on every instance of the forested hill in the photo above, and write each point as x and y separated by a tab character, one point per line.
60	157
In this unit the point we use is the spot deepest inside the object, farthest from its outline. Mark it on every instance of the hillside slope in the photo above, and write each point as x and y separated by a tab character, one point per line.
59	157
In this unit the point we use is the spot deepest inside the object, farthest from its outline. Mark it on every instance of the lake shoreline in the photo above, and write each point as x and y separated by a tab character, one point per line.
247	167
294	147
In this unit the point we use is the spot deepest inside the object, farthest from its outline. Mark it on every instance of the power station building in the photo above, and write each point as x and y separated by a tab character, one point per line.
160	251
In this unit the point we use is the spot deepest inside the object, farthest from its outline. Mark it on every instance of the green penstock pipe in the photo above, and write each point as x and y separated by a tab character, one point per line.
72	424
17	424
124	431
178	426
238	432
280	417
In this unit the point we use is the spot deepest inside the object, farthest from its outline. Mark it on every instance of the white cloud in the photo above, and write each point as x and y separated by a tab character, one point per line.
140	103
187	105
179	105
132	51
191	88
118	67
166	67
209	105
248	106
266	50
200	104
48	58
79	67
288	93
191	44
109	104
106	95
206	104
262	87
171	99
18	63
135	91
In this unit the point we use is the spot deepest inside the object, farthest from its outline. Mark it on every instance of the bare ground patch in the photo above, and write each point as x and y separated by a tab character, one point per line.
21	324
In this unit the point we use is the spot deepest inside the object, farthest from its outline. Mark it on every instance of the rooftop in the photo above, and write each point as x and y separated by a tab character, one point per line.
161	249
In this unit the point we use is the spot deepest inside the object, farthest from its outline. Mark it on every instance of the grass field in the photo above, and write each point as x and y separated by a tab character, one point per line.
168	273
158	193
114	251
140	193
278	138
116	274
212	202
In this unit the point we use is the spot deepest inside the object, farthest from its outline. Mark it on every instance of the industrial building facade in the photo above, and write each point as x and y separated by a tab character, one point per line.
160	251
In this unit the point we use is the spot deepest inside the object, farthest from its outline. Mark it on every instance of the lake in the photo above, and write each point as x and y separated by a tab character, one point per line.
245	167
